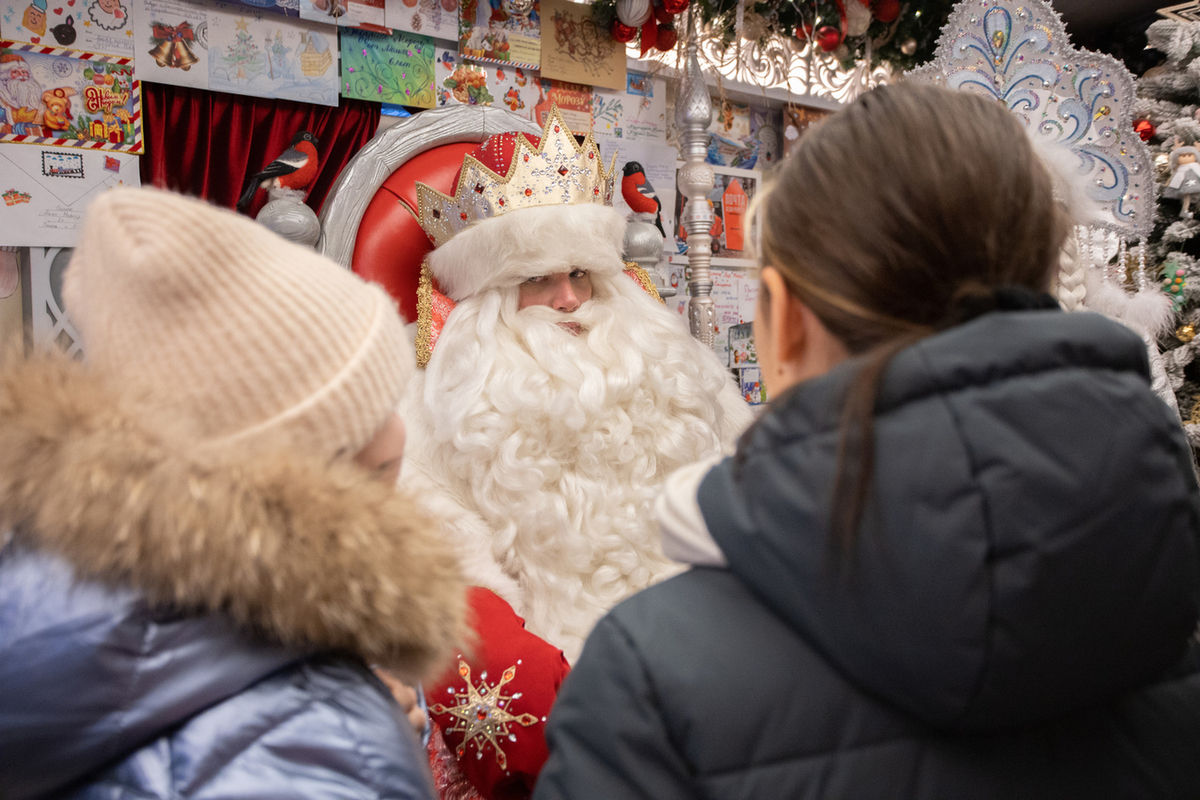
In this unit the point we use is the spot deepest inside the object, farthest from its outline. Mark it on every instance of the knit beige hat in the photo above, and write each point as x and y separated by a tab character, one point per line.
240	332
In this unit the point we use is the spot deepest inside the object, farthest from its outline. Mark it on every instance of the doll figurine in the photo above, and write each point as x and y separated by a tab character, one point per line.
1185	177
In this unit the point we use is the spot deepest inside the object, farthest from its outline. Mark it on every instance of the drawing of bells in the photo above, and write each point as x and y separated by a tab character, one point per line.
182	55
162	53
174	46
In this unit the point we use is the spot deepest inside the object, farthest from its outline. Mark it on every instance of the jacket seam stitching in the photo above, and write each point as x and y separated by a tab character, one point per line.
827	753
988	533
654	694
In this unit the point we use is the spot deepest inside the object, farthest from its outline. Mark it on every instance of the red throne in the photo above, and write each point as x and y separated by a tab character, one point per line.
390	244
369	222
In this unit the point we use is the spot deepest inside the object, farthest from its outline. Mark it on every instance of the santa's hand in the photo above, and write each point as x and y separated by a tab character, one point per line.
406	696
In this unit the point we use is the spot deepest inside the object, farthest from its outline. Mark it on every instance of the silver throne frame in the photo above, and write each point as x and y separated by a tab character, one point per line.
380	157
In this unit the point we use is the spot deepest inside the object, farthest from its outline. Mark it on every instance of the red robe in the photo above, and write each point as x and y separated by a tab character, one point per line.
491	708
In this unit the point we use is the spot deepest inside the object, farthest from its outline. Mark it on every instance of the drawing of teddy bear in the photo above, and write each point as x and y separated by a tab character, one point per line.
57	116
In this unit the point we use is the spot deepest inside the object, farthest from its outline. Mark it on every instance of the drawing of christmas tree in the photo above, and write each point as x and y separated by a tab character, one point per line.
244	55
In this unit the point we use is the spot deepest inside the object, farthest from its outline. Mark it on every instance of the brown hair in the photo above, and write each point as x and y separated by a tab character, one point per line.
888	217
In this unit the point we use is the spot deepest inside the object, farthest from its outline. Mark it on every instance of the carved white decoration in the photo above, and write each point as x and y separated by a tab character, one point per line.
785	64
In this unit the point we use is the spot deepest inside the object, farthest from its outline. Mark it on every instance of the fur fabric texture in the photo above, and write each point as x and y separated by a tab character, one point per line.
312	555
1147	311
1062	164
545	450
505	250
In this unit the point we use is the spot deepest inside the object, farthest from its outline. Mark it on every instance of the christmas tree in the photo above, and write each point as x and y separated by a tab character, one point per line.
244	55
1166	117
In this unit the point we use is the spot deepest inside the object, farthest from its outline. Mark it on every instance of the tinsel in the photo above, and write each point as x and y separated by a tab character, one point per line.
919	20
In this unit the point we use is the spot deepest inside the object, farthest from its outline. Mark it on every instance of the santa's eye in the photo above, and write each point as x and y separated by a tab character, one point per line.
579	273
537	279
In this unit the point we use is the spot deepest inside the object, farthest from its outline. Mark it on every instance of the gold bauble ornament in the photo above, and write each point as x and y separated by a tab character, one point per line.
1185	333
1162	165
909	47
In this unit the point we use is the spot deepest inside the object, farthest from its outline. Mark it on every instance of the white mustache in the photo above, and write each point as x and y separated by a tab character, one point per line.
587	316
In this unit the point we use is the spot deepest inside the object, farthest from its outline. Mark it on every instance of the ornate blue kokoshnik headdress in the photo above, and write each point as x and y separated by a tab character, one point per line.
1018	53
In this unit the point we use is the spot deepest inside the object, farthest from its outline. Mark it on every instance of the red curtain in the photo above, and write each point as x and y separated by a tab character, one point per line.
205	144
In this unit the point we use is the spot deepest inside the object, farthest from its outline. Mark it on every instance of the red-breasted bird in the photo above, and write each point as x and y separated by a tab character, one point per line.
294	169
639	194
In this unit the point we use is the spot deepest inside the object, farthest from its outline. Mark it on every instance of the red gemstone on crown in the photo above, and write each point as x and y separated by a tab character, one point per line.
528	192
526	157
557	129
481	714
592	156
463	215
501	201
563	170
596	191
437	214
479	188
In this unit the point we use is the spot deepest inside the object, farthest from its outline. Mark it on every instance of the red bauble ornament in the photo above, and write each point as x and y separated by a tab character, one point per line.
622	32
667	37
803	32
675	6
885	10
1144	129
828	38
661	14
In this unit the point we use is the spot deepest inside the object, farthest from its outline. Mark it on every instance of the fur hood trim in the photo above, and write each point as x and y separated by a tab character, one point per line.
505	250
312	555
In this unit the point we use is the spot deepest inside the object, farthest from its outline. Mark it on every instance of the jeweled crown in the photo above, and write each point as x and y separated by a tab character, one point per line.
559	171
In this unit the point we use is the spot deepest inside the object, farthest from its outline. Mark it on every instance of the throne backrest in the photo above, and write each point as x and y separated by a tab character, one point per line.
390	245
369	221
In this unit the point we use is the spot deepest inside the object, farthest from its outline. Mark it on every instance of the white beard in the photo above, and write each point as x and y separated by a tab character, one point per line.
561	443
22	94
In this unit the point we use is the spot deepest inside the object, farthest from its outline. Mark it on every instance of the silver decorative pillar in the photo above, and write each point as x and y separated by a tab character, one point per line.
693	113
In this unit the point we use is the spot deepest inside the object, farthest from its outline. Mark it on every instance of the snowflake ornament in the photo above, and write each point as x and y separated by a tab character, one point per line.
481	714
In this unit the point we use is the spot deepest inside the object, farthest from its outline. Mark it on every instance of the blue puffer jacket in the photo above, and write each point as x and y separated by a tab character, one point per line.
177	625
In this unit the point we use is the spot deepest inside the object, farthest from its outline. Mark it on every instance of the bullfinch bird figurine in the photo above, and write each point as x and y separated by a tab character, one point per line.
294	169
639	194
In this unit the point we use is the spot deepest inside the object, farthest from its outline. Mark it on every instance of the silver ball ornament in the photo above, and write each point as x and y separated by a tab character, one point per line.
634	13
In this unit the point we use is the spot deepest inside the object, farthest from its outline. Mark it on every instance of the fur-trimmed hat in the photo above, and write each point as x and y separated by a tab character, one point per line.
241	333
523	207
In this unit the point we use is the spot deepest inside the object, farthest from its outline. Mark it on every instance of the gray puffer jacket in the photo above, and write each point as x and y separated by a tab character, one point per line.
1017	622
186	624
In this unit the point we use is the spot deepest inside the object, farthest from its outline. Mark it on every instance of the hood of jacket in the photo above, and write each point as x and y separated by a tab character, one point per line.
1030	542
150	575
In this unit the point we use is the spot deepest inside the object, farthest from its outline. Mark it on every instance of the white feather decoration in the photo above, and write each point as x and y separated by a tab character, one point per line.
1149	312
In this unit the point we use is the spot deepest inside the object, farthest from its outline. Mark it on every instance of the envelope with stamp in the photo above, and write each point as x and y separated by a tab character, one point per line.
46	191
